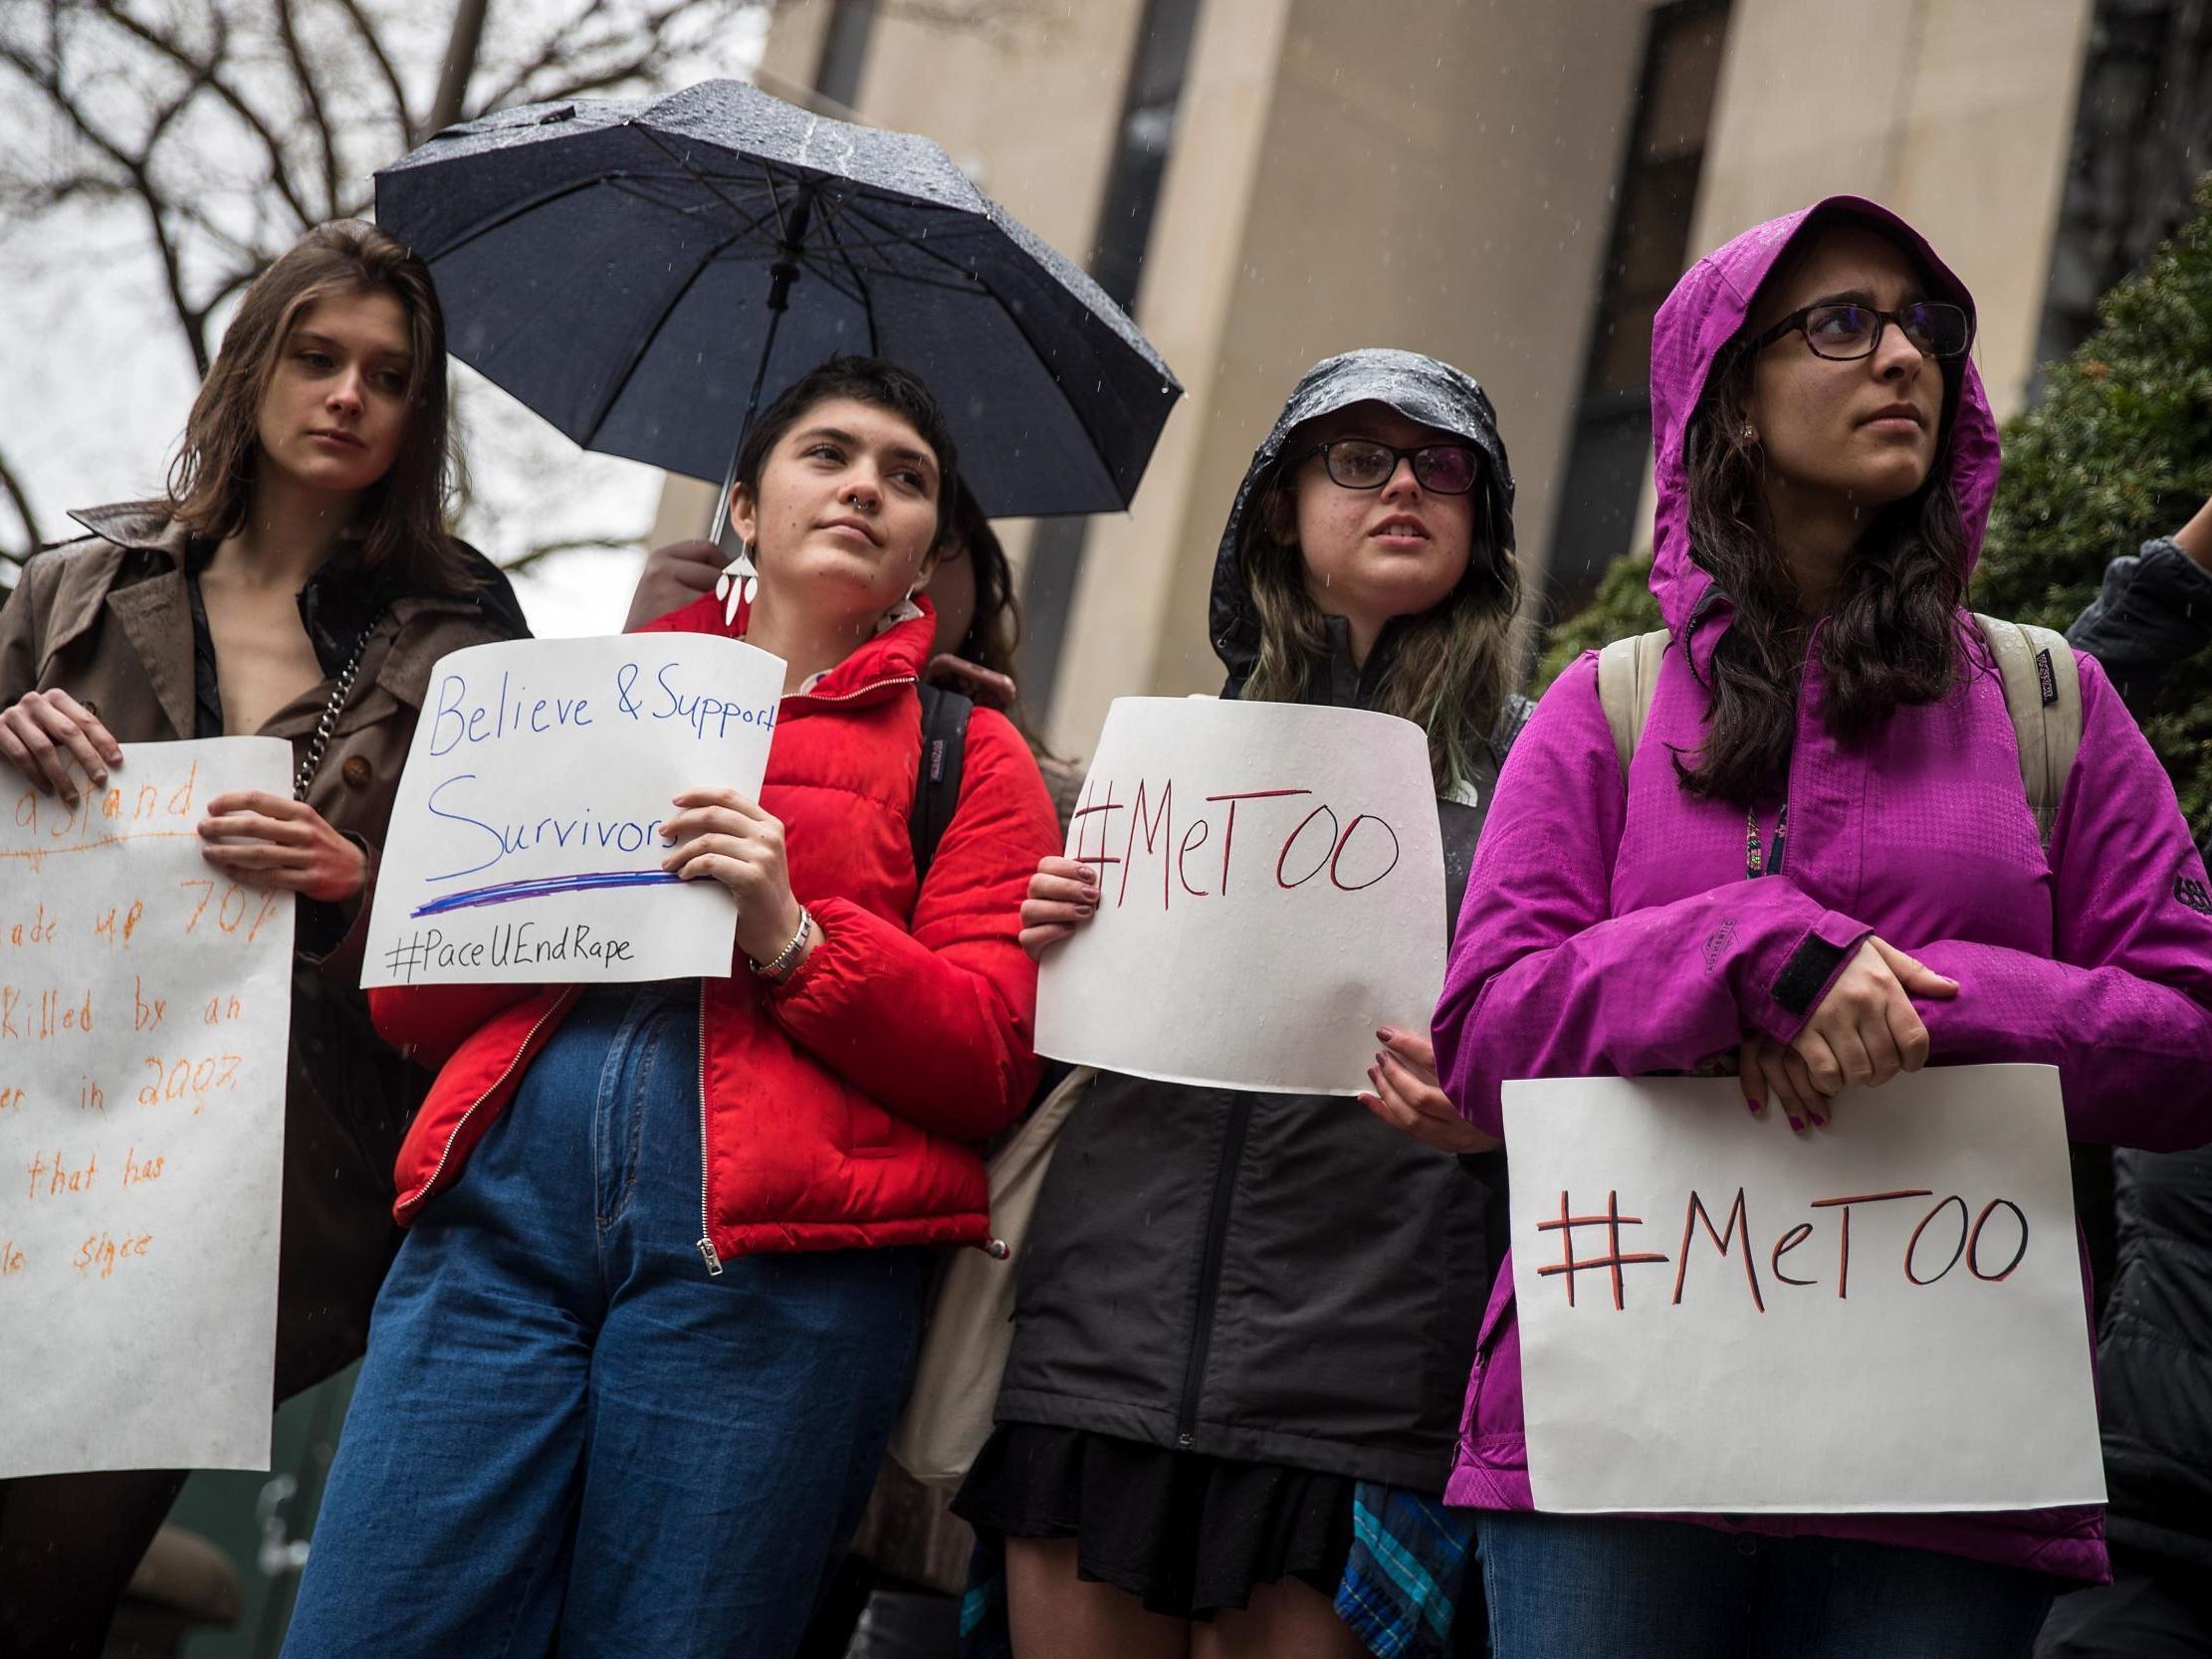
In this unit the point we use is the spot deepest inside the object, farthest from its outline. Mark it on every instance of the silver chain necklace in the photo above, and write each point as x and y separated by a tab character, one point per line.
330	711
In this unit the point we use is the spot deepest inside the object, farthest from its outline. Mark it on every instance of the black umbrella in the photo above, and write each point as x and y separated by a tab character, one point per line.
646	275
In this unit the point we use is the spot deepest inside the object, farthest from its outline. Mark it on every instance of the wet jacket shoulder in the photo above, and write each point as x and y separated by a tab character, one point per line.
2154	611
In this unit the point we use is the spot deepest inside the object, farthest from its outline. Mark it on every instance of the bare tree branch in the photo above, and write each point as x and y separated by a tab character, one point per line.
461	47
192	319
402	112
311	103
280	163
204	134
17	498
547	550
556	47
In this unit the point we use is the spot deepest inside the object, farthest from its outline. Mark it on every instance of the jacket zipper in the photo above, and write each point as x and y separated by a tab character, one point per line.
1210	1267
707	1251
706	1246
561	1005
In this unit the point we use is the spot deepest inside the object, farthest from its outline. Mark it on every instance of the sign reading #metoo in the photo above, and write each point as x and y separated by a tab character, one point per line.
145	999
525	843
1884	1316
1272	880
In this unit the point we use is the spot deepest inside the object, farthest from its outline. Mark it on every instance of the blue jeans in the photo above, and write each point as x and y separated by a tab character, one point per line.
567	1435
1568	1587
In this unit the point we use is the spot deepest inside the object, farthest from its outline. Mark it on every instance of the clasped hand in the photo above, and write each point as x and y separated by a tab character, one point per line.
1865	1032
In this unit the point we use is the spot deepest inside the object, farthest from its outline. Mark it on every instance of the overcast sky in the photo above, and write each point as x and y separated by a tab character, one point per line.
95	383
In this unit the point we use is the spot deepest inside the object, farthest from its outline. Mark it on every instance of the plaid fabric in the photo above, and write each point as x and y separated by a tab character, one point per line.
1401	1587
982	1610
1399	1594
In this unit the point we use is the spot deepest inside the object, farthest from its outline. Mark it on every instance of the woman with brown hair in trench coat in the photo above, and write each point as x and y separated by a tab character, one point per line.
296	581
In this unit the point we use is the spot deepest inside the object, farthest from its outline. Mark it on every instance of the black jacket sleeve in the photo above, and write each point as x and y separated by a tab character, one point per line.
2154	611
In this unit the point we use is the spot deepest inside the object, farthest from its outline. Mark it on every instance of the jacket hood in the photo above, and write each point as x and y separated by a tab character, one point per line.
1705	311
1420	388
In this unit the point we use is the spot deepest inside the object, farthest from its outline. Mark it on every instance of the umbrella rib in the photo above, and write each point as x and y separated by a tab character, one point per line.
1020	323
867	300
513	211
750	222
645	341
713	184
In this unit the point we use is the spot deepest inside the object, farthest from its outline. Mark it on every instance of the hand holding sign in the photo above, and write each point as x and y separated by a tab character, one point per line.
1280	859
274	841
1715	1316
721	835
527	842
1407	1096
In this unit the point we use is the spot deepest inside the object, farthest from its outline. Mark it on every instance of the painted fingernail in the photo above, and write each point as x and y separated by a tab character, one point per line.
1384	1034
1796	1121
1755	1107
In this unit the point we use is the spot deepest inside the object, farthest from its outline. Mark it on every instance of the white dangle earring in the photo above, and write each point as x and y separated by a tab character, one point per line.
739	582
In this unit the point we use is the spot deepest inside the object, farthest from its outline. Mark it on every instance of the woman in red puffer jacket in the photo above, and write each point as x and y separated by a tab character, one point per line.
638	1359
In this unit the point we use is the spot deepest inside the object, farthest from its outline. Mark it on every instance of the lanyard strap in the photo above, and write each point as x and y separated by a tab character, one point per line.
1755	864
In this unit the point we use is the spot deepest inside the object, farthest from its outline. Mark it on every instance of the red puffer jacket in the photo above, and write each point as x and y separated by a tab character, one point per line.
841	1109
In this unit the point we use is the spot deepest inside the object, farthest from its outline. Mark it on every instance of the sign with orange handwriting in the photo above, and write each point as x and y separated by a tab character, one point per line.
1717	1315
145	1000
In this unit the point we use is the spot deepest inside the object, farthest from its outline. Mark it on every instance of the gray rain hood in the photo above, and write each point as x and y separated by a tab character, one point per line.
1420	388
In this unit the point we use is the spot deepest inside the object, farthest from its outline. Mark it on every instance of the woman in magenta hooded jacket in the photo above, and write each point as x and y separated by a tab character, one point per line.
1827	718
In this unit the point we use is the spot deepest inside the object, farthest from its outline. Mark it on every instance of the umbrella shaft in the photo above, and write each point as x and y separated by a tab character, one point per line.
781	274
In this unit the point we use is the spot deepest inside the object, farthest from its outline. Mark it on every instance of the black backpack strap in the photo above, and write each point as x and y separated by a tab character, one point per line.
937	787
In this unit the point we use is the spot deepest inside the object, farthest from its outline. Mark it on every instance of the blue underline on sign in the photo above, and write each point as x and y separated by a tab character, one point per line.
506	893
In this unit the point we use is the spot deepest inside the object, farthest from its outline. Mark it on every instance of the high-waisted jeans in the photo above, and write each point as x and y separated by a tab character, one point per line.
567	1434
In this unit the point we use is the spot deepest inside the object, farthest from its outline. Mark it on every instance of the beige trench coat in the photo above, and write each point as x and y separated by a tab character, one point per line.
108	620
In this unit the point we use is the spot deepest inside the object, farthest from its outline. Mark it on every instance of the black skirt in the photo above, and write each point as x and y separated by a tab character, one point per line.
1186	1534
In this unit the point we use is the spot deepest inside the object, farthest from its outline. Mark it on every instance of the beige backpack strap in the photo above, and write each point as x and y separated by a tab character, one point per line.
1628	678
2043	694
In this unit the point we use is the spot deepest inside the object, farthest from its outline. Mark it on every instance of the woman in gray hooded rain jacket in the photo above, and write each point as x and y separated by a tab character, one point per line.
1235	1308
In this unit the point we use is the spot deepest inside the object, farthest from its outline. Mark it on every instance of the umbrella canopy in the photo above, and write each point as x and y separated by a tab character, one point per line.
622	266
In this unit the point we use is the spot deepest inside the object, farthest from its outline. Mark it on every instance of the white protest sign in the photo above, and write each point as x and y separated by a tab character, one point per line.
524	845
145	999
1882	1315
1273	892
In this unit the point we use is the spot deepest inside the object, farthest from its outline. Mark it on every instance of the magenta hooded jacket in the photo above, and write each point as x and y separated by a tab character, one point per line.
1611	931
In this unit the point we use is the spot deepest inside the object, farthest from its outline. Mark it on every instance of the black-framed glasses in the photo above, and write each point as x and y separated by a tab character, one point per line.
1841	330
1364	464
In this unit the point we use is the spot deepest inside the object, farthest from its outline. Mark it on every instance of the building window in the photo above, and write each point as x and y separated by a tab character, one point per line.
1146	139
845	50
1651	224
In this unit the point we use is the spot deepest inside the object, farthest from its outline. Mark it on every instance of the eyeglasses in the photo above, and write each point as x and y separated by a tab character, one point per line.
1844	331
1363	464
